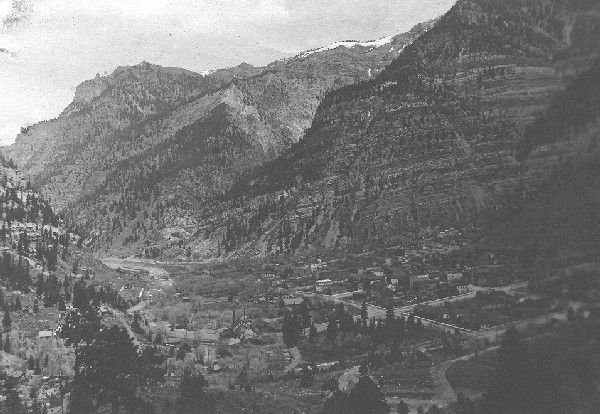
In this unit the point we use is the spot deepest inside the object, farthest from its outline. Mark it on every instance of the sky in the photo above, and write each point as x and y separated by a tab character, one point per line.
48	47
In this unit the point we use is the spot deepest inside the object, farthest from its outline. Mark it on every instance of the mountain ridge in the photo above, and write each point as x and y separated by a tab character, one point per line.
113	120
424	144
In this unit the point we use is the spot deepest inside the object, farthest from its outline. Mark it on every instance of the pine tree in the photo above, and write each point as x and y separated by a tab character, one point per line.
290	330
110	366
7	348
18	305
402	408
337	403
367	398
312	333
192	398
13	402
364	314
6	321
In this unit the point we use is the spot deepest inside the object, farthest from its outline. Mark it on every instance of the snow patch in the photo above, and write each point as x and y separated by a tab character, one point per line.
373	44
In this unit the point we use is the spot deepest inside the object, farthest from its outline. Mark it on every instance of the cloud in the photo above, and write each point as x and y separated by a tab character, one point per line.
19	11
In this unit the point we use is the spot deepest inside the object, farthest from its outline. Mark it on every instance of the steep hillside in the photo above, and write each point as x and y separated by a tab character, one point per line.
147	145
438	140
111	118
559	223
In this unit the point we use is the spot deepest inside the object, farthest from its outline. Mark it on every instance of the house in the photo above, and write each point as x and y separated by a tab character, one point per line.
323	284
462	289
415	280
493	275
243	329
268	275
454	277
372	277
45	334
208	337
292	302
272	324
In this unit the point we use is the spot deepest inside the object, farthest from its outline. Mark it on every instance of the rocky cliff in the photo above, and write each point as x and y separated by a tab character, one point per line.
141	149
449	135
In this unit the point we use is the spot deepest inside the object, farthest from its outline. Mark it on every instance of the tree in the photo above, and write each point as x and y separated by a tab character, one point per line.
312	333
62	306
304	312
389	315
81	396
307	378
463	405
337	403
109	367
192	397
23	244
332	330
402	408
519	385
7	348
79	326
13	402
290	330
6	321
367	398
18	305
364	314
434	409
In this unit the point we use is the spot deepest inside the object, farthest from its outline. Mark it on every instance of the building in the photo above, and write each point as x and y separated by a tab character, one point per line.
243	329
454	277
208	337
323	284
292	302
418	280
46	334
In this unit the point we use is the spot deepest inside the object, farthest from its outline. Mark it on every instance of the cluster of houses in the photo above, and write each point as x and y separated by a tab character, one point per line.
203	343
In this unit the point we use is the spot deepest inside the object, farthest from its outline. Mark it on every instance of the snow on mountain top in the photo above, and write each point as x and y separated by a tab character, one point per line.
208	72
349	44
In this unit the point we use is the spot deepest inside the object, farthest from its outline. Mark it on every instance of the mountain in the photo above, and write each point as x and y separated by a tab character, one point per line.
141	149
559	223
460	131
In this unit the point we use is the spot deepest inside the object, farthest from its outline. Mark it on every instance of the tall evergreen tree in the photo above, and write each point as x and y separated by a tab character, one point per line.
6	321
193	398
366	398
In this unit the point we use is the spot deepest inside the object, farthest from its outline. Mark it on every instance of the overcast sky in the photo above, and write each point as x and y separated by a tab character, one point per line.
48	47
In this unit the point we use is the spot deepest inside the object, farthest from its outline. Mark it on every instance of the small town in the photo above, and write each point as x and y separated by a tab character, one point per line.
279	333
300	207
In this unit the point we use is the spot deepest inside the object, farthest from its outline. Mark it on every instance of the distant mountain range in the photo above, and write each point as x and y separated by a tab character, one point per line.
467	123
148	140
